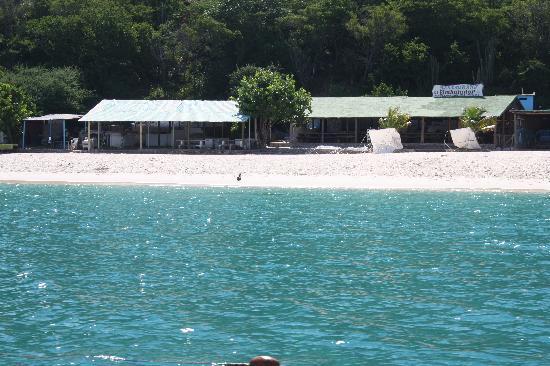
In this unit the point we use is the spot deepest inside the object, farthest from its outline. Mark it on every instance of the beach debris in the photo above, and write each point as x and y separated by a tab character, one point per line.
327	148
264	361
360	149
187	330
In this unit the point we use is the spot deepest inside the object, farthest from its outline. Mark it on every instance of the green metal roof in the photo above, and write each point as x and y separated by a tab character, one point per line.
165	111
377	107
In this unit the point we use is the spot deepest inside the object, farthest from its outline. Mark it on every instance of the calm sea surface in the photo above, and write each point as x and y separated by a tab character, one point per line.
164	276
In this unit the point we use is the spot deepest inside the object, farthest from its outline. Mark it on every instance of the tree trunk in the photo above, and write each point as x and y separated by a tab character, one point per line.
263	132
11	135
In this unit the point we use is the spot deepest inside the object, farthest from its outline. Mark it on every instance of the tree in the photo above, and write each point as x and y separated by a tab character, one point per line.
474	117
55	90
14	107
318	43
373	28
385	90
13	15
246	71
188	49
103	38
395	119
272	98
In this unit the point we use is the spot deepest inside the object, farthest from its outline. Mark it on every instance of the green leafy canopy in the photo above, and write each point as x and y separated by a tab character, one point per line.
52	90
395	119
272	96
474	117
14	107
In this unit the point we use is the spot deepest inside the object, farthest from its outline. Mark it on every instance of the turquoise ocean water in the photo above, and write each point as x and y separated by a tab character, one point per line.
96	275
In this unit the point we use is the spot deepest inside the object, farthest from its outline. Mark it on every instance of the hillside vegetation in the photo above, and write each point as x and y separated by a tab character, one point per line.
190	48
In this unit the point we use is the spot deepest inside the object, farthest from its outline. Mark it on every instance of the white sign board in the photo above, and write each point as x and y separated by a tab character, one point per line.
465	138
461	90
385	141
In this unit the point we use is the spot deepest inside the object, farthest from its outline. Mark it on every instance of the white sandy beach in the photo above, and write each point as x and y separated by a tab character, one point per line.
477	171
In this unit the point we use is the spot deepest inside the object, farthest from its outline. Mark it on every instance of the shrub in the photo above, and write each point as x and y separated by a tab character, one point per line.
395	119
474	118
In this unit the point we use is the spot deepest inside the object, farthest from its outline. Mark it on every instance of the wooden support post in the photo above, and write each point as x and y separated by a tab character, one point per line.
495	139
242	131
423	127
515	139
89	136
24	130
141	136
356	131
158	135
188	134
99	136
173	135
322	130
256	129
148	137
249	133
64	135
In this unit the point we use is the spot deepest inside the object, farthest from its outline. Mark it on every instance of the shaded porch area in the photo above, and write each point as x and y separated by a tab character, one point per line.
165	135
52	131
354	130
166	124
531	129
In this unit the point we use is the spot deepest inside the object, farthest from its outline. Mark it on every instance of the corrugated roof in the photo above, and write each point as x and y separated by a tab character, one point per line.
533	112
165	111
377	107
54	117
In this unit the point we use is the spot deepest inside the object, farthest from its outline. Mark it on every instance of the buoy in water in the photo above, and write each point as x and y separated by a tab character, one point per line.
264	361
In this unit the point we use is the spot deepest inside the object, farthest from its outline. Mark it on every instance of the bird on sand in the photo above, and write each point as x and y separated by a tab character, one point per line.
239	177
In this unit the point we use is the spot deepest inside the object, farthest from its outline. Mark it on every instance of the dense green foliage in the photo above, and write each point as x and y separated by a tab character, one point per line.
14	107
395	119
474	117
272	98
52	90
188	49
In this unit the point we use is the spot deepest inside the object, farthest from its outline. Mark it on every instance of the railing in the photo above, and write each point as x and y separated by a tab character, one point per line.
337	137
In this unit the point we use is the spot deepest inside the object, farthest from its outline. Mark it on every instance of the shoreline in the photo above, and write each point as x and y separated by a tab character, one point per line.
285	182
449	171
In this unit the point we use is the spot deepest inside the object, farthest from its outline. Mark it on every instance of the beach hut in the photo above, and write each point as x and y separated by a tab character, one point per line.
531	129
49	131
165	124
347	119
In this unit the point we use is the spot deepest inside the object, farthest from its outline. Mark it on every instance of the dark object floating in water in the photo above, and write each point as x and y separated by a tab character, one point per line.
239	177
256	361
264	361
